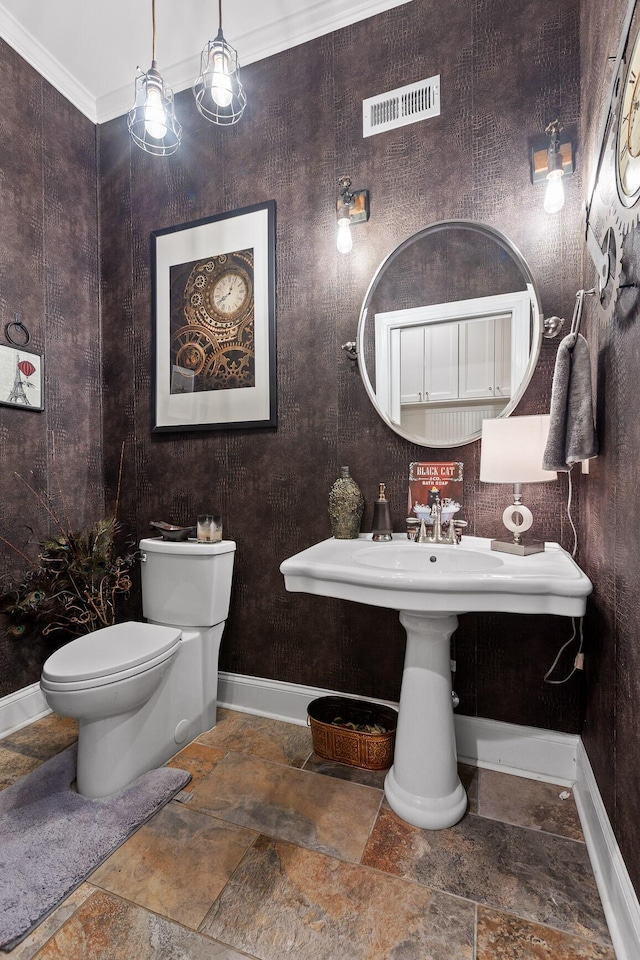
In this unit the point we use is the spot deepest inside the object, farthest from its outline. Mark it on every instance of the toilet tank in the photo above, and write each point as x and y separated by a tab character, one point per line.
186	584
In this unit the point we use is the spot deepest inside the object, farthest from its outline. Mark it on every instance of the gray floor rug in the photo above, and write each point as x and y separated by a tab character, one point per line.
51	838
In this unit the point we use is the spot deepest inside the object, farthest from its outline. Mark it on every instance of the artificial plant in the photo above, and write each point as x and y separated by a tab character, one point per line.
76	581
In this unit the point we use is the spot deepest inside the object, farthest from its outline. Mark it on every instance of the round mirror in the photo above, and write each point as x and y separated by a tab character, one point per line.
449	333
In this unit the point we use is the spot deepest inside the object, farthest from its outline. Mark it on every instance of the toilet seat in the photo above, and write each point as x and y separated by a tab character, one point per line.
109	655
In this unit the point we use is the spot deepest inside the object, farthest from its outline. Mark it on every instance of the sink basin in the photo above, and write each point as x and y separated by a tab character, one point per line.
406	558
430	584
440	578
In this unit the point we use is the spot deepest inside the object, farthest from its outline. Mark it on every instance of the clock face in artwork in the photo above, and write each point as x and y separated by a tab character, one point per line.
212	340
219	292
230	292
628	134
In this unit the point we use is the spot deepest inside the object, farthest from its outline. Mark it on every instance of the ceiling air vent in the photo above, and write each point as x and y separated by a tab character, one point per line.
416	101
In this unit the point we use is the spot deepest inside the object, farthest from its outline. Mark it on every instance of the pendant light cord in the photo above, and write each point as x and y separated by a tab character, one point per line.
153	27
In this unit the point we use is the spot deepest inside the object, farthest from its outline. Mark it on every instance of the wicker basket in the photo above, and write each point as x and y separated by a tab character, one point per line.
373	751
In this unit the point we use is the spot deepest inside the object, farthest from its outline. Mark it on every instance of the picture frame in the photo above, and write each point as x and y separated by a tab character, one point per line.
214	322
21	378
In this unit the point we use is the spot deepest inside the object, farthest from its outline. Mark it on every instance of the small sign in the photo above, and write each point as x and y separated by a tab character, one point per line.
429	482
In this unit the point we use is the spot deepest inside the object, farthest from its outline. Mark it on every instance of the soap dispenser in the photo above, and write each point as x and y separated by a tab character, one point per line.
381	528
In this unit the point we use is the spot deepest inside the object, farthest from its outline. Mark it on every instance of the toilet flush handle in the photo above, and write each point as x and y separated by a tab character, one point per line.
143	558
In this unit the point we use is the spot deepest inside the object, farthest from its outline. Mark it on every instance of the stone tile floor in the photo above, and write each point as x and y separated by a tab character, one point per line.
271	853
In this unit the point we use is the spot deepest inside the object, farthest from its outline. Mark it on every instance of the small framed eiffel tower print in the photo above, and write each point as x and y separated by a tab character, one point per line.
21	378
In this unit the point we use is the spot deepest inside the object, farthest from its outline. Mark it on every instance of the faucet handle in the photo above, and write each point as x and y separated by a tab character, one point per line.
423	536
458	526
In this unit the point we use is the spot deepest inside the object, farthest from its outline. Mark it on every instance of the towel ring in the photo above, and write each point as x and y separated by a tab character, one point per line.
552	325
18	325
577	310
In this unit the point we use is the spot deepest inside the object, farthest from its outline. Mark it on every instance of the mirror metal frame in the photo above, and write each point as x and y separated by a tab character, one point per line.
537	321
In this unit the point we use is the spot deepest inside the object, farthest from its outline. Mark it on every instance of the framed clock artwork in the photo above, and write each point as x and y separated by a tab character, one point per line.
214	322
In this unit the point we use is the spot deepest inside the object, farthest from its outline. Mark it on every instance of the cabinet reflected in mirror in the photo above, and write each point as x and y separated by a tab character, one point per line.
449	333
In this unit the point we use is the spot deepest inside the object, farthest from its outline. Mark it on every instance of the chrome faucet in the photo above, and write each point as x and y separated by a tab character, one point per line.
436	535
453	534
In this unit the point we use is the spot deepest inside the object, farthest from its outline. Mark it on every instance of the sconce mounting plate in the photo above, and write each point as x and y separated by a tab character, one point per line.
359	207
540	160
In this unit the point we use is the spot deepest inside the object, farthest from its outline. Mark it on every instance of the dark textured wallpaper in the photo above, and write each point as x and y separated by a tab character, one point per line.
609	527
501	81
49	274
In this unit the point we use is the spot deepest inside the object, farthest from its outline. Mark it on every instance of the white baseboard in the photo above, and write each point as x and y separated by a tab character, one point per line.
20	708
273	698
619	899
523	751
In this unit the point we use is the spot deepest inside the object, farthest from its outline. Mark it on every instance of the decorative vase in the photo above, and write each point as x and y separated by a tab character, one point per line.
346	504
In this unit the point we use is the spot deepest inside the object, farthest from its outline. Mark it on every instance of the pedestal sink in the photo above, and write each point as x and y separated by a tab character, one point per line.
430	584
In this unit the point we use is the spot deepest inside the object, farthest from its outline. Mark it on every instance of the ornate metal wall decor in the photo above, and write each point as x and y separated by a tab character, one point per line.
613	208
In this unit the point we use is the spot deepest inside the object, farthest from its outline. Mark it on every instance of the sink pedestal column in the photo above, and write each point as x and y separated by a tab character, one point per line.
423	786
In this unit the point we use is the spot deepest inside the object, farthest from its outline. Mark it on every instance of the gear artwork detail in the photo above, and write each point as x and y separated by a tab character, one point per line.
611	247
213	348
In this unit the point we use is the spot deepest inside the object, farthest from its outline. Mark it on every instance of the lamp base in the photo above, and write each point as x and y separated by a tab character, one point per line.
522	549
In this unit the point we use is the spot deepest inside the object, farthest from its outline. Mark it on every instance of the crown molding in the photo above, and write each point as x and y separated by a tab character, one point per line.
314	20
46	65
253	45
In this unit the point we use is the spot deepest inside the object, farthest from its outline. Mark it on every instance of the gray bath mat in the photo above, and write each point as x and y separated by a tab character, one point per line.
51	838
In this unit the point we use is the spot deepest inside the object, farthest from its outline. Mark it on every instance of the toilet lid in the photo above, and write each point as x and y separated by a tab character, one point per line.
109	651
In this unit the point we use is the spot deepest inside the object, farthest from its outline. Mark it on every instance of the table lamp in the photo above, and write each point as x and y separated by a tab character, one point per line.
511	452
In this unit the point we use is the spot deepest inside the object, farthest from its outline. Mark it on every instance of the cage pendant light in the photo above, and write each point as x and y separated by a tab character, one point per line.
152	120
219	95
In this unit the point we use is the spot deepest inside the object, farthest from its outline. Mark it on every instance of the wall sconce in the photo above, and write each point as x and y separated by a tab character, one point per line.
552	164
152	120
511	452
352	207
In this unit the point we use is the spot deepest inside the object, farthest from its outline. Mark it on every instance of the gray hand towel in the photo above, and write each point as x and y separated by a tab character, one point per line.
572	435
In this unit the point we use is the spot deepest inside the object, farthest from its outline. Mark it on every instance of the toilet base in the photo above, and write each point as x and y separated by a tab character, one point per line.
115	751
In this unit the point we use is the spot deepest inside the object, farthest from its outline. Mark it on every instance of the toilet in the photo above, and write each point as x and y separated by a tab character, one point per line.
142	690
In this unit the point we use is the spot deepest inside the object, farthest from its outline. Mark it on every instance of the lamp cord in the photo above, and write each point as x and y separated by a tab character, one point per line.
573	526
573	619
563	648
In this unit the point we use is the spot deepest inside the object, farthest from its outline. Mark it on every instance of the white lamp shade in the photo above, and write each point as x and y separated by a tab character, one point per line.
512	450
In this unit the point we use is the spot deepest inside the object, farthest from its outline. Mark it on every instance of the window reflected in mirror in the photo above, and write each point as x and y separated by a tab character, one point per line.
449	333
443	369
